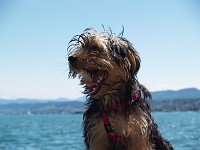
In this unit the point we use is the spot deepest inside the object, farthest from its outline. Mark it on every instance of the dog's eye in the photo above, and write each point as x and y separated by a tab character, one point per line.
93	49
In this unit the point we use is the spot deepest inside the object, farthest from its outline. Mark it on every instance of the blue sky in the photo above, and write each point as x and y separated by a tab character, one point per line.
34	35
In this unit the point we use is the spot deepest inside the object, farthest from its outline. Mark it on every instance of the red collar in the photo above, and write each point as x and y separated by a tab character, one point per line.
111	134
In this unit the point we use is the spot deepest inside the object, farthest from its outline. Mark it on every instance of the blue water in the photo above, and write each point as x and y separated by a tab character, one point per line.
64	132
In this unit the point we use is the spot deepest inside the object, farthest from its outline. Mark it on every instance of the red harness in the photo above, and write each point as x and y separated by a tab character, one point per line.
111	134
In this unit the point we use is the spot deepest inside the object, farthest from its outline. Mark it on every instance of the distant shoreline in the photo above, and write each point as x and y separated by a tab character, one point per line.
75	107
167	101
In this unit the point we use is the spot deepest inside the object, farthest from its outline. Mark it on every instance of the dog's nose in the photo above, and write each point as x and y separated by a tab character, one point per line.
72	59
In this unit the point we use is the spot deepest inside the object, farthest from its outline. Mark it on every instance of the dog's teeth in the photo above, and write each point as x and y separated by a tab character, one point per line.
93	88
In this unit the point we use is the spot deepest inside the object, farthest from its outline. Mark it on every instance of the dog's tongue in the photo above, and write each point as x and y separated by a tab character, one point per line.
95	77
90	84
93	82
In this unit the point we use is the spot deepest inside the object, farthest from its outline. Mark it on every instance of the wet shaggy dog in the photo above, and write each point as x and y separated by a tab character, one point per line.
117	115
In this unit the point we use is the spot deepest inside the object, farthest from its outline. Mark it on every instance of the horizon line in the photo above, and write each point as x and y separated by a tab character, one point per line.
74	99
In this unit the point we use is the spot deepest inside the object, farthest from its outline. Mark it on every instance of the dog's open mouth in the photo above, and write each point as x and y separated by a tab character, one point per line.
97	78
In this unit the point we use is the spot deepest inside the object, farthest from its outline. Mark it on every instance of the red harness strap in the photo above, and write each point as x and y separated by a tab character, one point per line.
111	134
135	97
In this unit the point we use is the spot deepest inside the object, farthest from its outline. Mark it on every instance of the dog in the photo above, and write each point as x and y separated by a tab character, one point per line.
117	115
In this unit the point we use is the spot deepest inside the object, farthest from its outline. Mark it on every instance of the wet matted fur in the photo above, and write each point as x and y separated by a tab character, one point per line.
107	66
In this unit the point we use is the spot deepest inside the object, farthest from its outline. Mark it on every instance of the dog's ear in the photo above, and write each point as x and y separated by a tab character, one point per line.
134	59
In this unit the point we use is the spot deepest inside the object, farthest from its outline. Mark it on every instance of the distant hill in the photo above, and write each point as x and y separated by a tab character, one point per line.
30	101
189	93
181	100
53	107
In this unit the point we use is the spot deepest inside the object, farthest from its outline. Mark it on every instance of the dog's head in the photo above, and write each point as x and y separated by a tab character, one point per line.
105	63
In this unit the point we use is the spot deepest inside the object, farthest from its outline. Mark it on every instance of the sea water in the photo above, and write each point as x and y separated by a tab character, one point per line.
64	132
